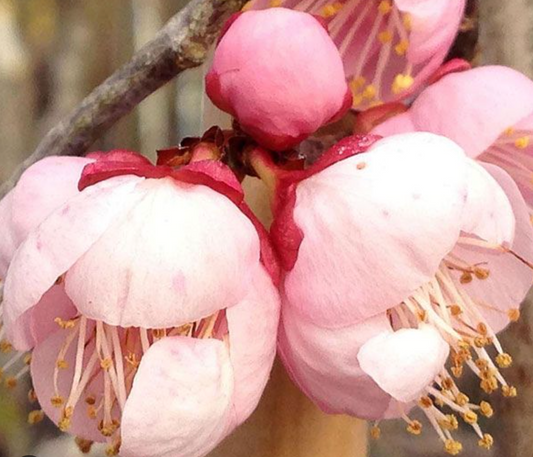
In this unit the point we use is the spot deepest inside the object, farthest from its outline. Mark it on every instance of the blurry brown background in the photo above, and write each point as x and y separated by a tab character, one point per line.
53	52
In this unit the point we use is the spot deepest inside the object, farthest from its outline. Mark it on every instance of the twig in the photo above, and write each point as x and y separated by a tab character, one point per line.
183	43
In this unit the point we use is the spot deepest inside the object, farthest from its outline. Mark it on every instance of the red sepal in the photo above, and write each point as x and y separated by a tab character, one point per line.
452	66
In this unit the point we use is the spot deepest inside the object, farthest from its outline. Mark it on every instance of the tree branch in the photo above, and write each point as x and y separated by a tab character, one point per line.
183	43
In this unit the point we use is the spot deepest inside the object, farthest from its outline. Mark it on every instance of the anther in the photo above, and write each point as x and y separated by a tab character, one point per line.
370	92
402	47
461	399
65	325
62	364
457	371
504	360
489	385
375	432
449	422
5	347
415	428
486	409
106	364
425	402
57	401
27	359
90	400
385	36
276	3
453	447
480	342
482	364
401	83
448	384
482	328
385	7
513	315
470	417
361	165
329	10
11	382
509	391
466	278
84	445
486	442
522	142
32	396
481	273
456	310
34	417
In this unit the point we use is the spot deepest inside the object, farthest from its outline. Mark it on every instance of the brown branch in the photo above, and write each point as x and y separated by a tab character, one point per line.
183	43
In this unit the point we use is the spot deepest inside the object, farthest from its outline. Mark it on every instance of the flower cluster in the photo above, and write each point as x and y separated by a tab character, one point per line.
147	300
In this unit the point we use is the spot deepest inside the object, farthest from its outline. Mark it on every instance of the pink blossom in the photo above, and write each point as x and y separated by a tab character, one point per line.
399	255
42	188
389	48
280	75
172	333
496	118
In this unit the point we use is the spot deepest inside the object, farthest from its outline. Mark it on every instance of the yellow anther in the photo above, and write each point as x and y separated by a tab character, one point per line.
34	417
402	47
91	412
422	315
425	402
402	83
488	374
522	142
414	428
439	402
113	449
57	401
448	384
456	310
466	277
65	325
132	360
486	409
482	364
356	84
357	100
64	424
481	342
449	423
248	6
375	103
513	315
32	396
457	371
461	399
11	382
370	92
62	364
508	131
504	360
84	445
27	359
482	328
385	7
486	442
470	417
489	385
106	364
108	429
453	447
407	22
5	347
481	273
385	36
375	432
328	11
509	391
276	3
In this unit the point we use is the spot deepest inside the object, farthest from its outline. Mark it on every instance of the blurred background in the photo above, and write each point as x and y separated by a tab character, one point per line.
54	52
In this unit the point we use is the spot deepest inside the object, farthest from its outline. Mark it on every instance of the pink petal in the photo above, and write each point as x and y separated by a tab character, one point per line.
180	403
374	234
488	212
182	253
37	323
405	362
253	330
8	244
43	363
434	24
509	279
61	239
478	96
323	363
42	188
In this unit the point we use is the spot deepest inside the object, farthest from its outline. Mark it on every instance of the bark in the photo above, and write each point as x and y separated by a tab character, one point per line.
183	43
